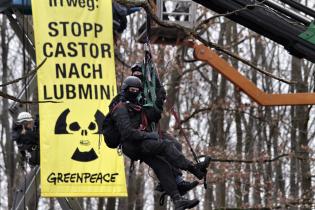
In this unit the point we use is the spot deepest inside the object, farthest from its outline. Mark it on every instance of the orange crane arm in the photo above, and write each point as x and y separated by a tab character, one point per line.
203	53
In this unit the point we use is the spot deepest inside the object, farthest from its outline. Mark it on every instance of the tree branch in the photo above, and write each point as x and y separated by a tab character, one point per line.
30	73
10	97
249	161
204	23
218	106
191	33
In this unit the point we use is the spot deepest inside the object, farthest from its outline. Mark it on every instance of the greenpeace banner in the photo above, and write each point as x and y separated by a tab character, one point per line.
76	37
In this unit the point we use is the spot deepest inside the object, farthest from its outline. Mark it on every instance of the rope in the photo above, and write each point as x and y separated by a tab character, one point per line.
188	142
36	196
14	199
24	173
184	134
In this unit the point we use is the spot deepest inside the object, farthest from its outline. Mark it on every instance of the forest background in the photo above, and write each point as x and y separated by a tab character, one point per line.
263	157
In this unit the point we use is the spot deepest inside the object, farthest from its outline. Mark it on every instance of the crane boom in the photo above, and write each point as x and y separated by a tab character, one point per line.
204	53
281	25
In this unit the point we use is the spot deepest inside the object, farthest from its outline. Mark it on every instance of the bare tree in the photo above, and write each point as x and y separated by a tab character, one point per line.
6	142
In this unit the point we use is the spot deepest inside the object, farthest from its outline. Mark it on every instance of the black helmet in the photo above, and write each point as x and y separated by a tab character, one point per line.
131	81
136	67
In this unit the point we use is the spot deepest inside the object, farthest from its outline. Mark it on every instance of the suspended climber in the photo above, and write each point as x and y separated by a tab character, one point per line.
139	142
182	185
131	125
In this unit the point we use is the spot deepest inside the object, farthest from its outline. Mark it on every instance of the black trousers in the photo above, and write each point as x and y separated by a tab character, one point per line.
165	149
165	135
162	156
163	171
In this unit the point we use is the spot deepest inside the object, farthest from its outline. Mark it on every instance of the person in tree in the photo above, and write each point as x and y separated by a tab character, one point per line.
25	133
139	143
183	186
120	13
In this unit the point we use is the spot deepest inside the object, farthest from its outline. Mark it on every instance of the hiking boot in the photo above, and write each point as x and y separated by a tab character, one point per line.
200	169
181	203
184	187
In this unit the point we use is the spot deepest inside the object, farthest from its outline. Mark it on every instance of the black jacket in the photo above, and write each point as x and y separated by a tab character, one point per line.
152	114
128	120
26	141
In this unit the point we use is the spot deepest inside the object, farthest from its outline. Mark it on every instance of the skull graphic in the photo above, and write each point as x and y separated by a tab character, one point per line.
82	130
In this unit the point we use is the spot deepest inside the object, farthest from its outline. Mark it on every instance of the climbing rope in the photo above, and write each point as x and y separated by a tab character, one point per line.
175	114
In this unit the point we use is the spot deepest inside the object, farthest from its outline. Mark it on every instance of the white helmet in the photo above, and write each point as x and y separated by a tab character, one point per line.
24	117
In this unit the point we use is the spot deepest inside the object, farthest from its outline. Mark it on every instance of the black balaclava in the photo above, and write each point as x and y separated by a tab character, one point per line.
129	82
137	67
139	76
132	96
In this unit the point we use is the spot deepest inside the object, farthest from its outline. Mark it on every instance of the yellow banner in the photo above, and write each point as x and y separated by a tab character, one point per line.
76	36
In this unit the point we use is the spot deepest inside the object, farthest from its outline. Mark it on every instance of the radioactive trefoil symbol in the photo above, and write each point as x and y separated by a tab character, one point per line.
67	127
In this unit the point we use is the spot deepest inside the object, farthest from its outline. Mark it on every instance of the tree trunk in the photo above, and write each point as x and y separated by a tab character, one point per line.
89	204
100	203
239	146
123	203
171	100
51	204
140	189
293	137
81	202
213	132
302	118
111	204
238	125
9	153
132	188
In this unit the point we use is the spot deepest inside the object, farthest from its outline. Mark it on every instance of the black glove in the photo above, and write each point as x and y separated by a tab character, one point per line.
160	97
152	136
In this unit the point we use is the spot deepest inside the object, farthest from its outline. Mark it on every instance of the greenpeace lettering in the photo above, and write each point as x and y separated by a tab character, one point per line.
95	178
